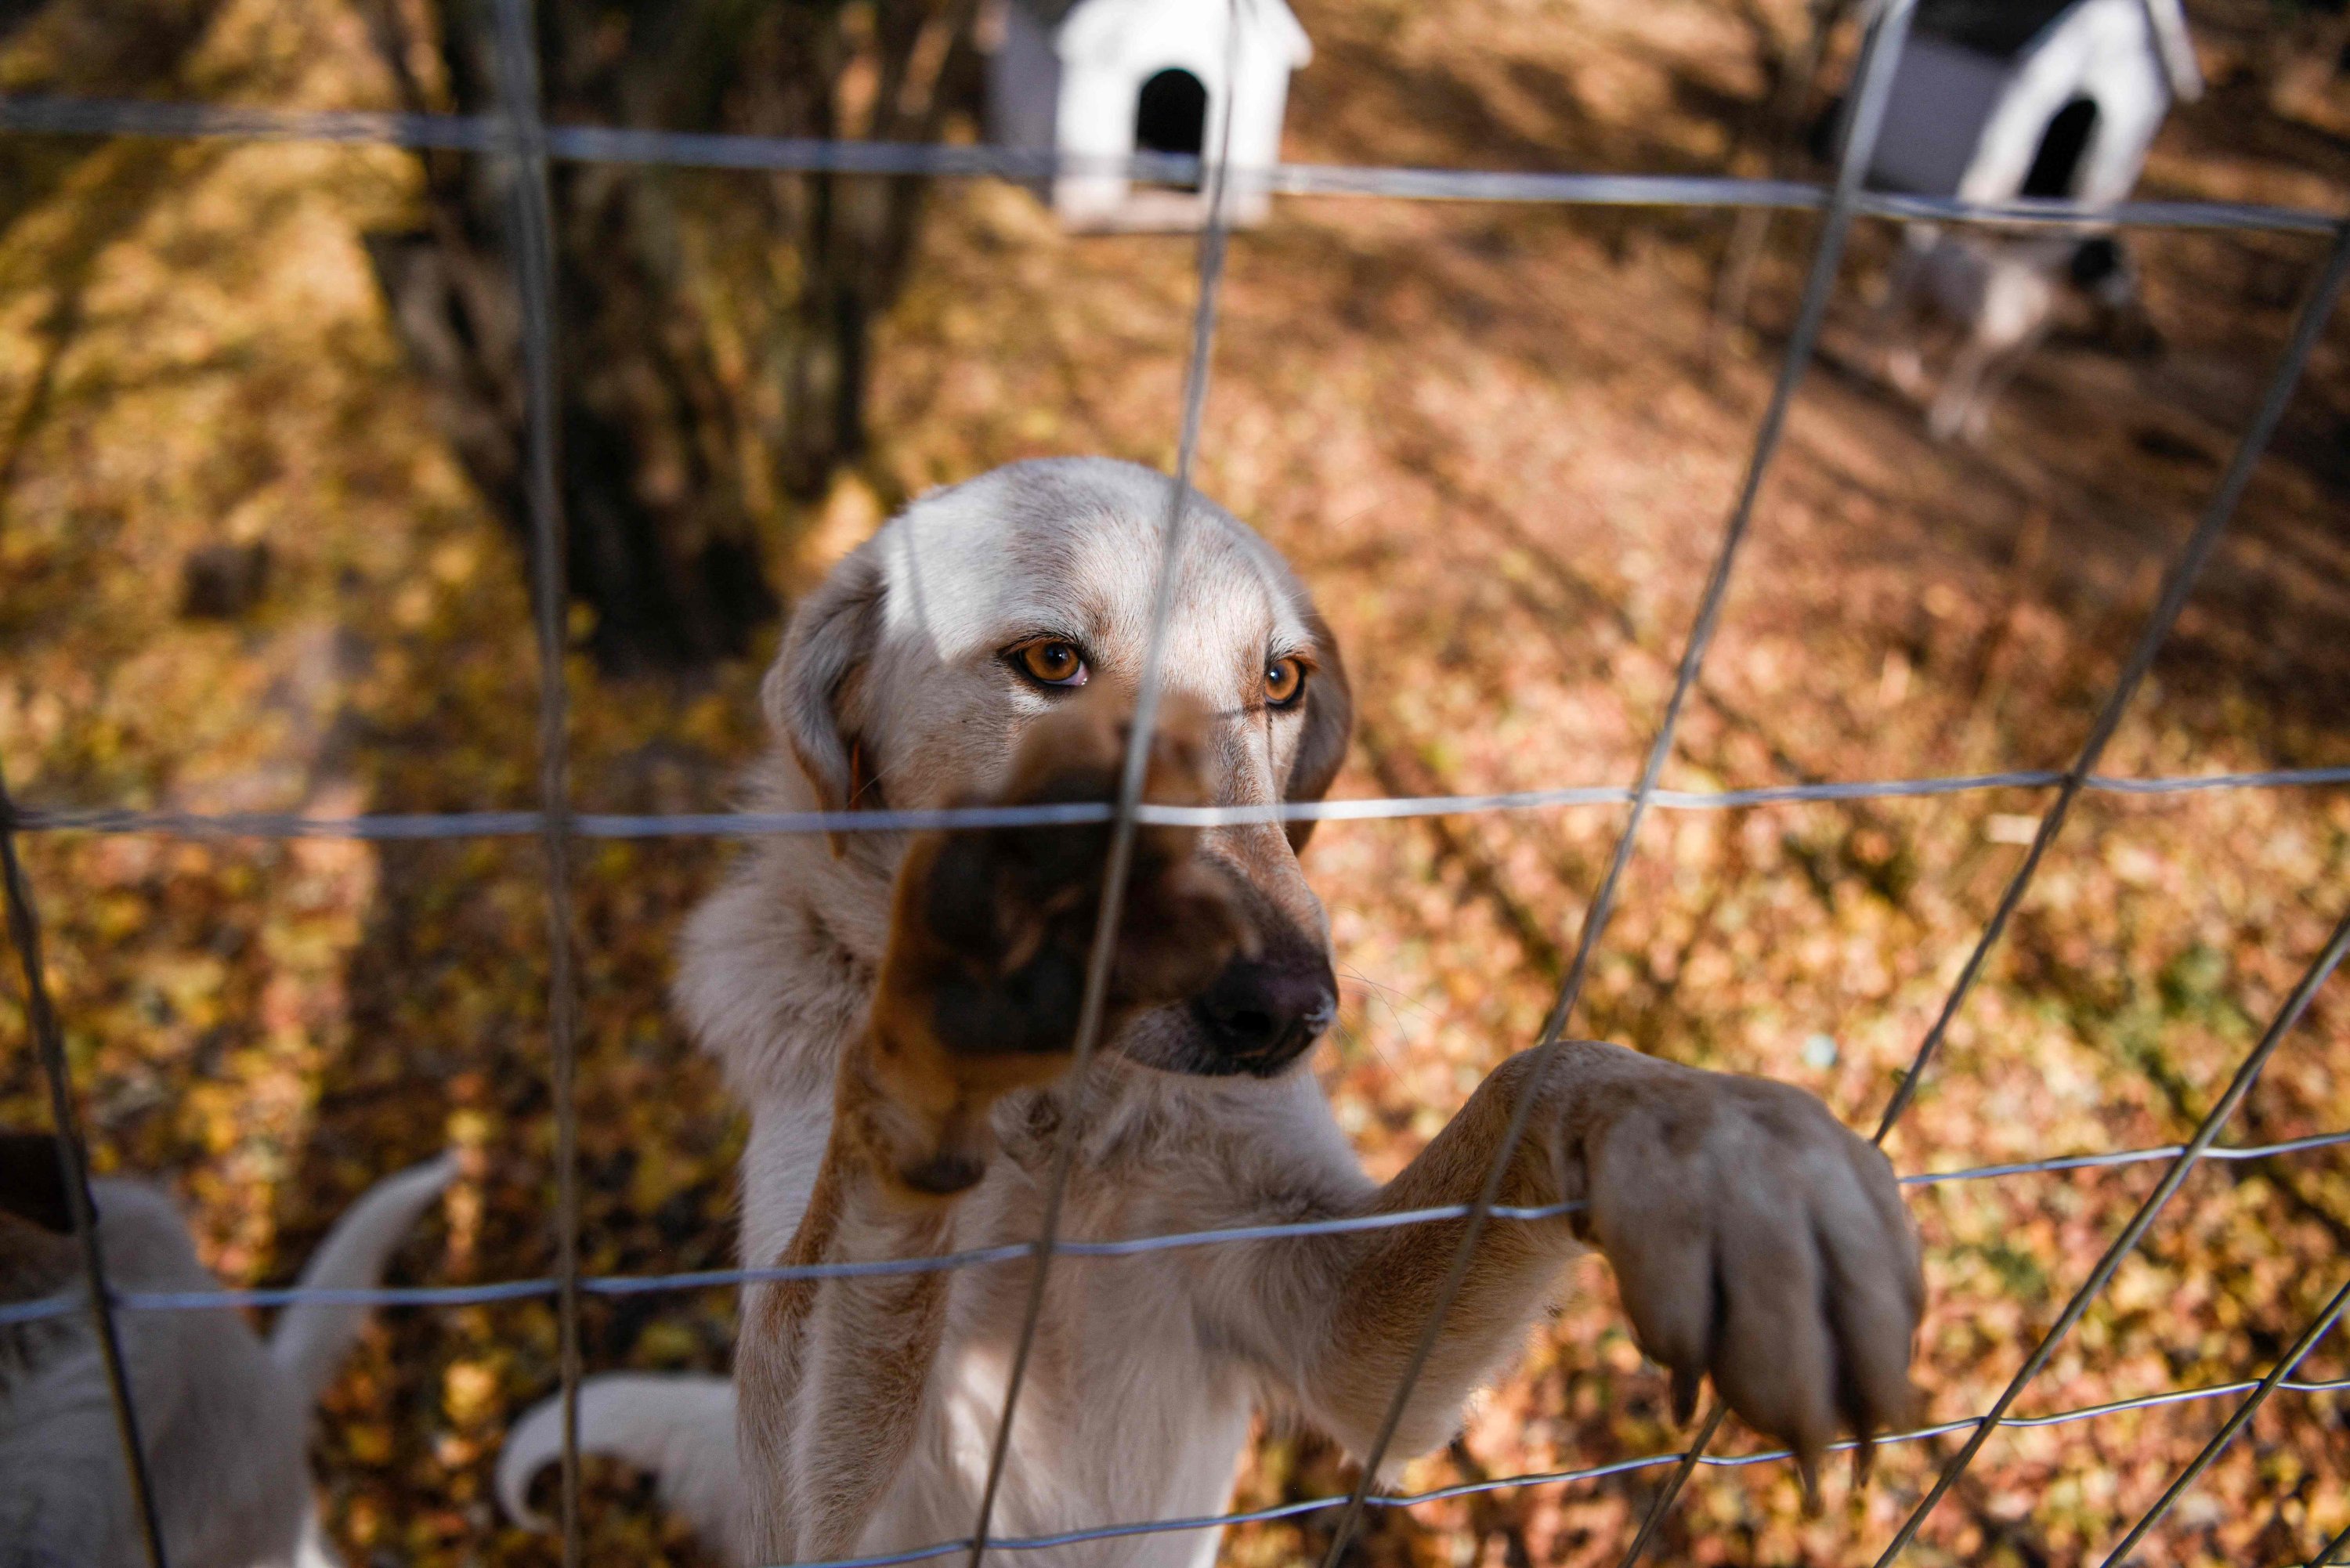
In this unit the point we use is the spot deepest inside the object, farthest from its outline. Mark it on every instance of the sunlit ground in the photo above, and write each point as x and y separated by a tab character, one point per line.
1497	445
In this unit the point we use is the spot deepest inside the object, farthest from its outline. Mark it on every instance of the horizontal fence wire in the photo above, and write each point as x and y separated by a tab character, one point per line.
2178	584
1013	1251
2279	1376
2315	312
1134	767
1872	84
530	235
394	827
2286	1019
24	919
784	154
1561	1477
507	136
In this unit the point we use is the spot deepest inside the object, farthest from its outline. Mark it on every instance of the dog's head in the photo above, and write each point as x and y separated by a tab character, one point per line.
908	677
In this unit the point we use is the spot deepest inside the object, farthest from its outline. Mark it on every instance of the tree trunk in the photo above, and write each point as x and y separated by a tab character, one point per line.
713	329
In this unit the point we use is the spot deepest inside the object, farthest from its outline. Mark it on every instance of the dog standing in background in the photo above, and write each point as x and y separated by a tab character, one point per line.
897	1012
2004	294
224	1418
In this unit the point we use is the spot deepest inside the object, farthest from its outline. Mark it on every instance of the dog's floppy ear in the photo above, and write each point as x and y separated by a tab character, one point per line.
1330	725
810	694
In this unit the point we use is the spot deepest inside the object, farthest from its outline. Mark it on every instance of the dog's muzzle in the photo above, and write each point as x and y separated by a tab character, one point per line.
1262	1014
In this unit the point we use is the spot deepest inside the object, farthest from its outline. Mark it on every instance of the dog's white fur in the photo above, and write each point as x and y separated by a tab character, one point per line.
1149	1368
679	1426
2005	292
224	1418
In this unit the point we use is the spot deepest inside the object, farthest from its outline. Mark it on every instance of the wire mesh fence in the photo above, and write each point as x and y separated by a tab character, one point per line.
523	145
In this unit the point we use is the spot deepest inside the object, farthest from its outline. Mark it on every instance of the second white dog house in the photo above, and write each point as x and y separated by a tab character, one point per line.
1100	80
1999	98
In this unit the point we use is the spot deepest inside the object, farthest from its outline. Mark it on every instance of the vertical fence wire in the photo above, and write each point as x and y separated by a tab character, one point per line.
1133	768
2180	580
526	158
2314	313
2301	1348
73	1167
2307	329
2320	968
1871	95
1661	1507
1742	257
532	226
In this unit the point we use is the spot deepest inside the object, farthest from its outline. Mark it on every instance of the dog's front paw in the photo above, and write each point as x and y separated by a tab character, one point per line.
1757	1240
993	930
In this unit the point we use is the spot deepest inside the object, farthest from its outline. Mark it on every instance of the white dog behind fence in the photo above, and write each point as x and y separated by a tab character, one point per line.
2006	294
678	1427
223	1418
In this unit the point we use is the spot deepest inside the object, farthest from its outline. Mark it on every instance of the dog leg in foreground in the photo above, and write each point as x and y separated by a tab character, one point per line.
978	996
1755	1241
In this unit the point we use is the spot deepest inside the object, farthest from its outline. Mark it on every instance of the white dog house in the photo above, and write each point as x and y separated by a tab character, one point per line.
1999	98
1100	80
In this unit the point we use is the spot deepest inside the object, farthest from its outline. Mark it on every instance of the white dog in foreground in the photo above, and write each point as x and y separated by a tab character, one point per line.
224	1418
896	1012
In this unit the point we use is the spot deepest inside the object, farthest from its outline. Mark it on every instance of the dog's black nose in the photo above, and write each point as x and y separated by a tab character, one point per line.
1262	1012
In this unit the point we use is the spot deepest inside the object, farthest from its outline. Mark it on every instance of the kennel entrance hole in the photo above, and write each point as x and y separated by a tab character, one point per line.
2057	167
1170	115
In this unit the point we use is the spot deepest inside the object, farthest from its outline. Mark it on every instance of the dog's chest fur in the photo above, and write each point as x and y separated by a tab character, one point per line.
1133	1407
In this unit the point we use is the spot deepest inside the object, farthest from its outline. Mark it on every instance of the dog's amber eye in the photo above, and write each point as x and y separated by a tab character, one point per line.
1284	679
1051	661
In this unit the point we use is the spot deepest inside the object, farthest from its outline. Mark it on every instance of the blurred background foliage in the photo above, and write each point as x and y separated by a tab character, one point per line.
258	550
716	333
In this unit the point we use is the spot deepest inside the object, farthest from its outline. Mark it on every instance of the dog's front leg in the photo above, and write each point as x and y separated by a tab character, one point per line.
978	996
1754	1238
830	1370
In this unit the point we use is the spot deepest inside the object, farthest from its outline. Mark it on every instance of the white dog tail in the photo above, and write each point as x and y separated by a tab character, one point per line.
311	1338
677	1426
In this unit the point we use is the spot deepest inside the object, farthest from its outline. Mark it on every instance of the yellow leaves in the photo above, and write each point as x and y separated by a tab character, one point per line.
1505	509
660	1174
363	1519
1893	678
2010	827
186	989
2135	864
471	1129
412	607
671	1344
454	561
469	1393
846	518
2138	1285
368	1443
